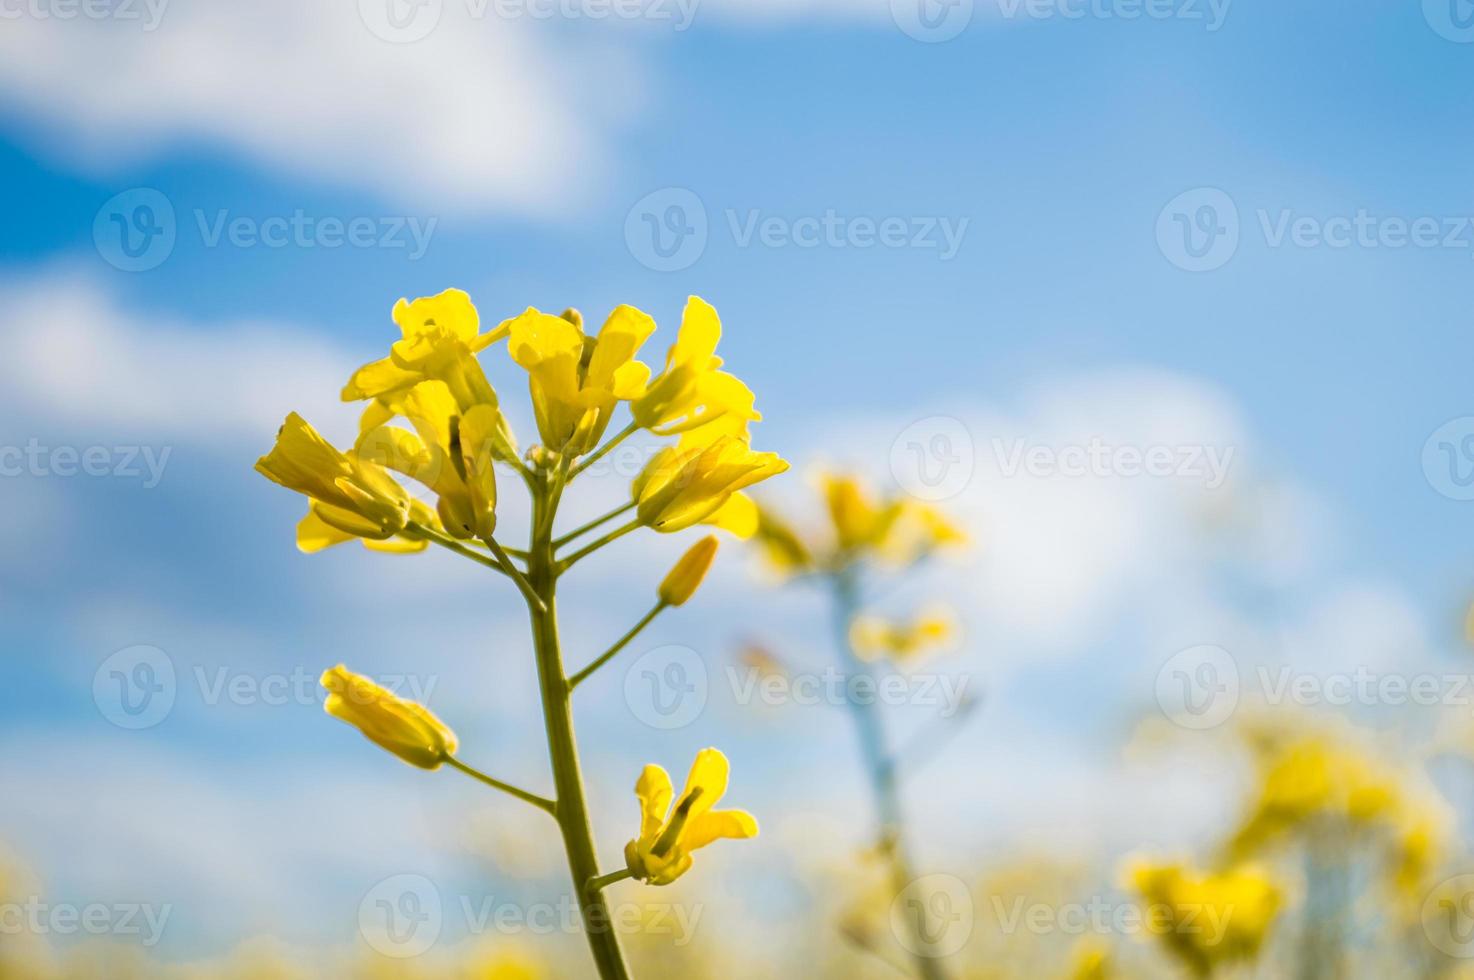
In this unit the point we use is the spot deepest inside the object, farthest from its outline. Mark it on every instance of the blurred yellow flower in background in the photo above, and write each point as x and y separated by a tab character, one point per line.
1207	919
402	727
903	641
670	833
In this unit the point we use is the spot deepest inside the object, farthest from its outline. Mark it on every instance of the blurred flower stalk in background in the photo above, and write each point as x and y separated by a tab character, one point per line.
867	538
433	417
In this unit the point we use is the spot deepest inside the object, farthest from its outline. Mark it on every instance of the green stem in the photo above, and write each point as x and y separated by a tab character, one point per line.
572	809
603	882
609	654
533	599
880	765
586	528
603	450
589	549
542	803
451	544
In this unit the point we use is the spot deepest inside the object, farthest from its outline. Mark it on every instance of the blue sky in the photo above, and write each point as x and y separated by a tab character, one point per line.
1053	145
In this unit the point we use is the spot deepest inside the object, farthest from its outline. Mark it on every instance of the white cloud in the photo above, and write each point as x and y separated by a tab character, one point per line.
74	357
477	114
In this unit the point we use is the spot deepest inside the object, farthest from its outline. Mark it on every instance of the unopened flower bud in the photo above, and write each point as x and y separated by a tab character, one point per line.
685	578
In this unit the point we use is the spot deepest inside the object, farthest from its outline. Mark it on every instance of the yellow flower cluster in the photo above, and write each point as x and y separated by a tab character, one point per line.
1315	784
433	416
1207	920
874	637
896	530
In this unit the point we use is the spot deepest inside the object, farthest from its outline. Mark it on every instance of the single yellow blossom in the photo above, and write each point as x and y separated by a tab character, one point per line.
670	833
681	583
402	727
681	487
859	521
450	452
435	330
351	494
315	534
1207	920
874	637
571	375
691	390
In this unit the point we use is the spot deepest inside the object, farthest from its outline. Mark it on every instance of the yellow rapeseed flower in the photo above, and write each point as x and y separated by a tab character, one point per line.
402	727
685	486
691	390
348	493
670	833
450	452
436	329
571	375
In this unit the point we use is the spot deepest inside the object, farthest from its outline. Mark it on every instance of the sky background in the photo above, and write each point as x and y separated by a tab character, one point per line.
1066	155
